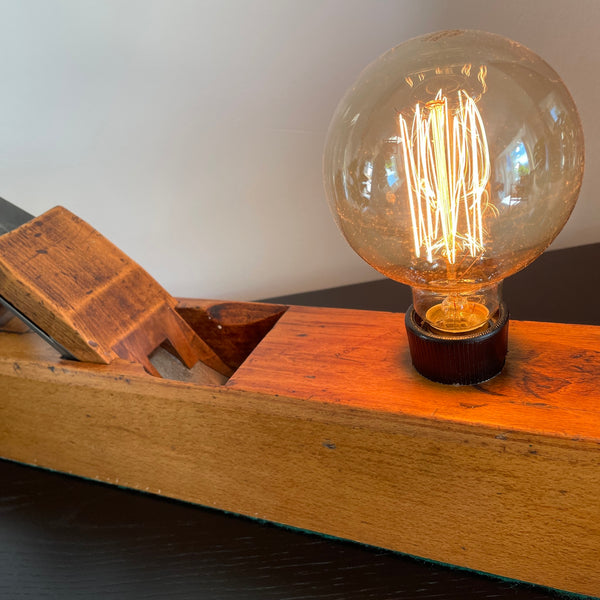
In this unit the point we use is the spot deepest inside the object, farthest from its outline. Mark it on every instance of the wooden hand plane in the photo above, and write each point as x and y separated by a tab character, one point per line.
324	425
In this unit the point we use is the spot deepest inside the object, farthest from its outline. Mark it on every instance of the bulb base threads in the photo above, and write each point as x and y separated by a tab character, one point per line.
460	359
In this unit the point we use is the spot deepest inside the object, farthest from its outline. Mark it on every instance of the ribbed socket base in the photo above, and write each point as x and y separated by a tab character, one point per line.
458	359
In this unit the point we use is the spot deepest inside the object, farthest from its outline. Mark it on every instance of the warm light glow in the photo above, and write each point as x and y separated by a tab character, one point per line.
447	163
451	163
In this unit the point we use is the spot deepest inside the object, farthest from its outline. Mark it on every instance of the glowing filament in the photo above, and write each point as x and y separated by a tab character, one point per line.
446	160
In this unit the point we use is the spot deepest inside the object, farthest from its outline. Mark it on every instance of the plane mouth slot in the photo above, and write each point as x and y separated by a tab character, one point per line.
231	329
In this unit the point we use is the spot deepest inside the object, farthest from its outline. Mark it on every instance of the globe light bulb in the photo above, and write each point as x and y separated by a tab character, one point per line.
452	162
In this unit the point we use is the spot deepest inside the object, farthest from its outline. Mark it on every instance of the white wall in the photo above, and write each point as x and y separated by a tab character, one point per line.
190	132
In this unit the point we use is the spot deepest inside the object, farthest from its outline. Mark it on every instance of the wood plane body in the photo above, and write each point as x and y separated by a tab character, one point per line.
325	426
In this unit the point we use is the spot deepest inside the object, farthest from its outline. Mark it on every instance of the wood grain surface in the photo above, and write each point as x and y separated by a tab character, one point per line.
235	328
360	359
89	296
343	438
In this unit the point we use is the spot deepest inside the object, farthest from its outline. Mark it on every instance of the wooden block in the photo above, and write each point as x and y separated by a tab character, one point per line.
90	297
326	427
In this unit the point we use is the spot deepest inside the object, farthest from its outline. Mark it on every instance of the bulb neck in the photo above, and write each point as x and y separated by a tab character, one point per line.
459	309
463	359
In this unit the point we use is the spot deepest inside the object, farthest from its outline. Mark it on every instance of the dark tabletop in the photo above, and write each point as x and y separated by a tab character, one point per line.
63	537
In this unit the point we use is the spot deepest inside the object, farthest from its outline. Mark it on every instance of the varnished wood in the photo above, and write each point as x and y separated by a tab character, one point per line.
326	427
235	328
360	358
90	297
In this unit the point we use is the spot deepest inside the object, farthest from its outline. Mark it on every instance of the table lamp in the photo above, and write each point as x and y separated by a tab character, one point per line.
451	163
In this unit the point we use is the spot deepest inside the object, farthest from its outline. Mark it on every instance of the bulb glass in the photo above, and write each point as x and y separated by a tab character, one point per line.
453	162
